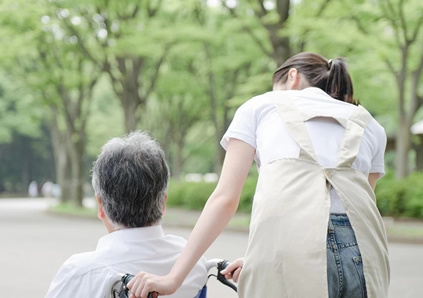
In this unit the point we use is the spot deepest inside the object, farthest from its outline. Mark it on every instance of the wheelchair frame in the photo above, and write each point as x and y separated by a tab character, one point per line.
120	290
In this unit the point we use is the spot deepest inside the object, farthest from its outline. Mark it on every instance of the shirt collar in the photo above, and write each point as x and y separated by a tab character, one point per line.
125	235
315	90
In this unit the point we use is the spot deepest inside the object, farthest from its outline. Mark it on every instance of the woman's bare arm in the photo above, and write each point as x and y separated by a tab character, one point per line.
373	177
216	214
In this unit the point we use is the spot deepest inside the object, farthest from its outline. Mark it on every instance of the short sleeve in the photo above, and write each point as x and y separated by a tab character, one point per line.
64	284
378	160
74	279
243	126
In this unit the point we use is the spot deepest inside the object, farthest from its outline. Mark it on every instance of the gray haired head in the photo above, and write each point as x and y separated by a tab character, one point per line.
131	177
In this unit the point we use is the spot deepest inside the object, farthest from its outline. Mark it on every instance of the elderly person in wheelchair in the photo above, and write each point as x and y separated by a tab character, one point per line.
130	178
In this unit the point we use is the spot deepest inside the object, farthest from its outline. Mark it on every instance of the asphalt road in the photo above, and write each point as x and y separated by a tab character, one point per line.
34	244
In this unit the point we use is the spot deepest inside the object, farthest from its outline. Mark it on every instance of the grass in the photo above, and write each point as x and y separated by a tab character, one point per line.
240	221
398	230
13	195
406	231
72	210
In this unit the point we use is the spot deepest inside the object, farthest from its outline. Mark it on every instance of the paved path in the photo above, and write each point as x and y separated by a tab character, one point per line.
34	244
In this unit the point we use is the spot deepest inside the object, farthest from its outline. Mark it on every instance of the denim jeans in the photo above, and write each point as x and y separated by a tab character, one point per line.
345	267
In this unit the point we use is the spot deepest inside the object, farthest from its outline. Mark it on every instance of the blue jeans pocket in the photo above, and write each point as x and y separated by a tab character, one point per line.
358	262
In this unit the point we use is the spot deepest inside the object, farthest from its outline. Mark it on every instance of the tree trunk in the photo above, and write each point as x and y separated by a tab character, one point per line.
26	176
403	139
419	154
61	160
220	152
403	145
63	176
220	155
281	49
178	159
130	110
213	110
77	169
127	87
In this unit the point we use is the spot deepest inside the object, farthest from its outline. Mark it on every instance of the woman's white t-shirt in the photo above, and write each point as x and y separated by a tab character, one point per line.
258	123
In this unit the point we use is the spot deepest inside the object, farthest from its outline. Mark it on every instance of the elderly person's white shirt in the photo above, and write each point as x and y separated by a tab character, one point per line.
92	274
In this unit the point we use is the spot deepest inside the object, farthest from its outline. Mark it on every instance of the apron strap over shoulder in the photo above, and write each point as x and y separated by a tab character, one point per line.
351	142
294	122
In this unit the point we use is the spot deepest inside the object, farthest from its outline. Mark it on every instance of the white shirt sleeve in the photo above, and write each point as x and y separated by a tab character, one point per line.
65	284
243	126
378	161
69	283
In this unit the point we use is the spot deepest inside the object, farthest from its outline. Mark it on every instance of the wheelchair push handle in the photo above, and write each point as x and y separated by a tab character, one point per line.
221	265
220	277
127	278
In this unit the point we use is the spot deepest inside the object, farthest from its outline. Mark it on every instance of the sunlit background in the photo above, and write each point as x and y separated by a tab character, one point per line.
74	74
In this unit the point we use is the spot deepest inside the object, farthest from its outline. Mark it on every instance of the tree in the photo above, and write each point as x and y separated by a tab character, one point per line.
73	85
223	74
179	105
408	40
131	42
268	23
382	41
399	24
228	70
24	149
63	80
262	19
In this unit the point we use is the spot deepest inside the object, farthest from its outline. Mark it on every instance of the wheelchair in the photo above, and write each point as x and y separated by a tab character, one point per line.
120	290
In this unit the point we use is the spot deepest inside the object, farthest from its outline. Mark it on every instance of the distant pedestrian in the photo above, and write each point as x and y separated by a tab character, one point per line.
33	189
47	189
56	191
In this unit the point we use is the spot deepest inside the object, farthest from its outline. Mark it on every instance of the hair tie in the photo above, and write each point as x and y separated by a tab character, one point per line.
329	63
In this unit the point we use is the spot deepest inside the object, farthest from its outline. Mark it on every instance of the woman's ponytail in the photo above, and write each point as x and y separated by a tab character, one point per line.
338	83
329	75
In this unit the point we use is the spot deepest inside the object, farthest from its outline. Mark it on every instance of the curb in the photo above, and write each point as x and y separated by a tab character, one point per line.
181	218
229	228
70	215
404	240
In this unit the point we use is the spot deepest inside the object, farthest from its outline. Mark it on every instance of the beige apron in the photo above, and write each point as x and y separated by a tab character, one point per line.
286	255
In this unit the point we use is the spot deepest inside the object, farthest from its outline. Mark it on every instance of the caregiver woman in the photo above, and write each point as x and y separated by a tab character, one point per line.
315	230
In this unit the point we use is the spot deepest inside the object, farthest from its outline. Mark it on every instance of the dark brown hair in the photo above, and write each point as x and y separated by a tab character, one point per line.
329	75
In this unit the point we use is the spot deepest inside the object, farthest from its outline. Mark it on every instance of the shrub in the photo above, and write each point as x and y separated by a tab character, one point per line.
190	195
194	195
175	194
247	195
401	198
414	196
397	198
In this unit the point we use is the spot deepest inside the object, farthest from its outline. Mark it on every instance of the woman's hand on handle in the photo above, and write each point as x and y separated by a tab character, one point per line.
144	283
233	270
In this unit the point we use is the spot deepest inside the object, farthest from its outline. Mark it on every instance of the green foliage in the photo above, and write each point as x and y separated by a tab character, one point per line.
194	195
20	112
191	195
397	198
247	195
25	159
401	198
106	119
188	66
